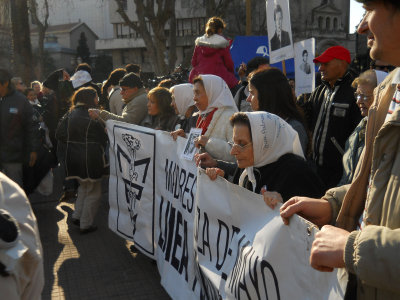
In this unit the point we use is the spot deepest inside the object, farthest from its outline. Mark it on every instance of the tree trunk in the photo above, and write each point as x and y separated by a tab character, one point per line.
42	27
21	42
172	43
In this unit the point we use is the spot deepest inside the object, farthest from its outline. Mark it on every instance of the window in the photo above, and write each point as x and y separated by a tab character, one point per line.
124	4
190	26
335	24
320	20
328	23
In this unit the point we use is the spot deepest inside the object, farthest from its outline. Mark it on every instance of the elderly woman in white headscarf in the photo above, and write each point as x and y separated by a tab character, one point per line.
182	102
270	158
215	103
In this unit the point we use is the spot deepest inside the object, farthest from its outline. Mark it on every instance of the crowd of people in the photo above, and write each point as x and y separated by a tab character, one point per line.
331	156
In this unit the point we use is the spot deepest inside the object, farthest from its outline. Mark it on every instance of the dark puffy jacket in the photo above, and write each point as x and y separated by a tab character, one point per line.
19	132
85	140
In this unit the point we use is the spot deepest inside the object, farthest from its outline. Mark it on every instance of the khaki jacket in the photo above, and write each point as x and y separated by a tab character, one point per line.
373	254
134	112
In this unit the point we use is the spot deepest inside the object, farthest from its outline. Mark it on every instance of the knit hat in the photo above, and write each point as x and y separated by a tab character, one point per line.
131	80
338	52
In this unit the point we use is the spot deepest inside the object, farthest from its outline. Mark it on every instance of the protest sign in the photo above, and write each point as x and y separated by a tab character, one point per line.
304	66
279	30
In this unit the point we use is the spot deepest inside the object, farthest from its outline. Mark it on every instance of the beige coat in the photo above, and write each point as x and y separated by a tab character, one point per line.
27	277
219	133
373	254
134	112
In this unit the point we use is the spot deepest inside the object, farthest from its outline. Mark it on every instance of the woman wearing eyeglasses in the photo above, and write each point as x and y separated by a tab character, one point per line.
269	158
365	85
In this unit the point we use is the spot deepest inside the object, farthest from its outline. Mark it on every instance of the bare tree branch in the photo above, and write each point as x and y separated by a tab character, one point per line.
157	13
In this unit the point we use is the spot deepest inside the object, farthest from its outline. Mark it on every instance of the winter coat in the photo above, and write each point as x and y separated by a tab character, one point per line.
219	132
211	56
26	280
354	147
342	117
115	101
134	111
85	141
19	132
372	254
290	176
166	123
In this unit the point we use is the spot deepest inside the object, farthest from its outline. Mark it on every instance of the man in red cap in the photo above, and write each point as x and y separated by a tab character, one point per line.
334	113
366	239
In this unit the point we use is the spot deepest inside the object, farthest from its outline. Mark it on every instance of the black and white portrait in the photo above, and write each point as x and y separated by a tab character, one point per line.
279	30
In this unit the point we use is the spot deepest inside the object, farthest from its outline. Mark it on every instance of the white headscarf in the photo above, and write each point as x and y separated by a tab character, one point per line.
218	93
183	94
380	76
272	137
80	78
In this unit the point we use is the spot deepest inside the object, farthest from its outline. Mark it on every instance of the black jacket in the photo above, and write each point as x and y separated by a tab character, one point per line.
342	116
19	132
277	44
290	176
85	141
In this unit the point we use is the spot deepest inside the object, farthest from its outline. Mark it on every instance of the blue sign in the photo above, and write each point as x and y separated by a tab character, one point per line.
244	48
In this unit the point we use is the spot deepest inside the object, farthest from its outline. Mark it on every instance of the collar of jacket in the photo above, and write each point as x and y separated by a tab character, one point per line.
139	92
346	77
213	41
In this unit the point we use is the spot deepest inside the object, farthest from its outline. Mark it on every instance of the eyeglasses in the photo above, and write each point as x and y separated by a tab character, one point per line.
241	147
362	96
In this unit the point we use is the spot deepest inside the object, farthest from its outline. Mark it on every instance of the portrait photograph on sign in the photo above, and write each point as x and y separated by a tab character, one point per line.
279	30
190	149
304	53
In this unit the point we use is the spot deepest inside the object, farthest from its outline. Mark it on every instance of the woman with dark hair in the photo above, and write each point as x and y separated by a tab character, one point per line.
112	91
84	158
160	114
269	158
270	91
211	54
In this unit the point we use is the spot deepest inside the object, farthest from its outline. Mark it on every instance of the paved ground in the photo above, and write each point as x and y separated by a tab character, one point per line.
98	265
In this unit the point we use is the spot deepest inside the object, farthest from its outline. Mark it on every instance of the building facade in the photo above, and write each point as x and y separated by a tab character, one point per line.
327	21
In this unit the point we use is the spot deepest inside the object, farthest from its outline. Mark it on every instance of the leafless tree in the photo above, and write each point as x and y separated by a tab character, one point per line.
157	13
42	27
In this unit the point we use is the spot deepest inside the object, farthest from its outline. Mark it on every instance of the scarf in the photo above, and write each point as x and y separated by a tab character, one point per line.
272	137
183	94
218	93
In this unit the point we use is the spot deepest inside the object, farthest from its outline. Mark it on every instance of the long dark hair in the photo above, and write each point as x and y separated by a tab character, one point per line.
275	94
84	97
113	79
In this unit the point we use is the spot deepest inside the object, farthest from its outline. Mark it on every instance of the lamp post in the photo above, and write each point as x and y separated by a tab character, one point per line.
248	17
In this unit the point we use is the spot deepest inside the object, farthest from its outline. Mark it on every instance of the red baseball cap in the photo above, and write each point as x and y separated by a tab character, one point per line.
338	52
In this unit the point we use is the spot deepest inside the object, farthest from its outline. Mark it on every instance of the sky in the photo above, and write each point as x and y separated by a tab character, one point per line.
356	13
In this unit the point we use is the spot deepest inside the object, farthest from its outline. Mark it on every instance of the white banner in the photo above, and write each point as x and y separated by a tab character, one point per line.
222	238
304	66
246	252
